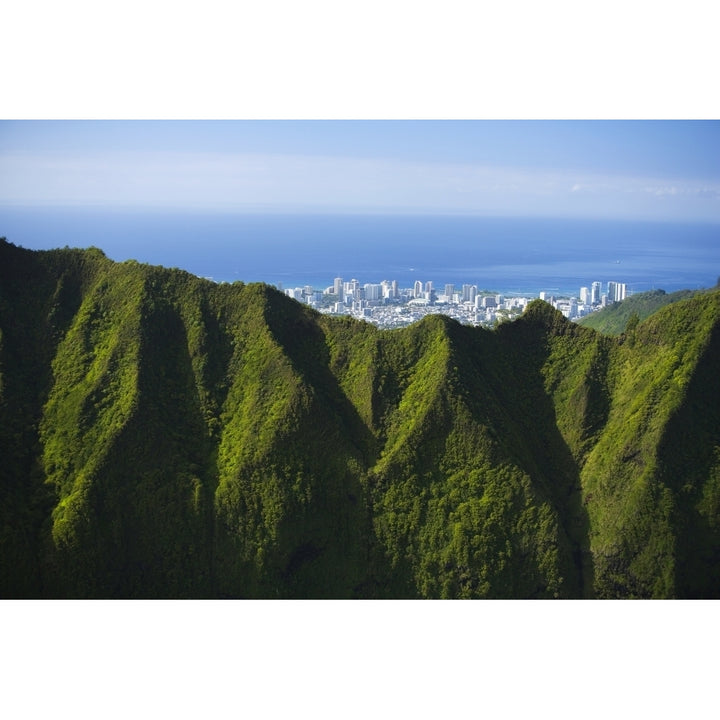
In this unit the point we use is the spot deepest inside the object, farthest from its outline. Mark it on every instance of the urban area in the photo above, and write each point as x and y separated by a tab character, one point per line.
388	306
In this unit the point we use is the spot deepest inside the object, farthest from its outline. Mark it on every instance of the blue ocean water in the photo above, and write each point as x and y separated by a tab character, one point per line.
507	255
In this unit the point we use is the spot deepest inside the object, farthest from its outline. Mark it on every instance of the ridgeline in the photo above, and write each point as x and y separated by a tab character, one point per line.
614	319
166	437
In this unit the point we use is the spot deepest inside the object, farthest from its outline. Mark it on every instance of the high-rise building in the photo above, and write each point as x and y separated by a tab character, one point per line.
584	296
418	289
450	290
469	293
338	286
616	291
351	291
596	292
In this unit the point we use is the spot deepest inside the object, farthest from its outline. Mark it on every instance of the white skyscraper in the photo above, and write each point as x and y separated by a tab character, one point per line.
616	291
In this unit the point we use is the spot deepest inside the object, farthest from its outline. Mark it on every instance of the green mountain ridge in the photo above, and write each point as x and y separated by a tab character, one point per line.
614	319
163	436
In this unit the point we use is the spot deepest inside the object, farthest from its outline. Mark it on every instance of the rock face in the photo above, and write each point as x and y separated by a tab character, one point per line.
163	436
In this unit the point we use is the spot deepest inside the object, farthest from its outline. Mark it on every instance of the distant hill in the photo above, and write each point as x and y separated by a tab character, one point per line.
613	319
164	436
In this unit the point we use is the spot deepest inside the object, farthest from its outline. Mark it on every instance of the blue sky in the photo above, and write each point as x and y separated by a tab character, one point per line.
650	170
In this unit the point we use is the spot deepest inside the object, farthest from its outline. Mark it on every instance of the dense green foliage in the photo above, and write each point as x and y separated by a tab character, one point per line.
163	436
614	319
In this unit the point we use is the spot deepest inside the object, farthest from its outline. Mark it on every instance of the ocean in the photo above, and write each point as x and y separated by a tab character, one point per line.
508	255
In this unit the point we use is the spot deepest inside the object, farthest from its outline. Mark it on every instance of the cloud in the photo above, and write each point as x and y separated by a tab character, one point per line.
240	181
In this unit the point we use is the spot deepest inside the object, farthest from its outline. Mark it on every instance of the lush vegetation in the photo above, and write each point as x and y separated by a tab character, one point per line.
614	319
163	436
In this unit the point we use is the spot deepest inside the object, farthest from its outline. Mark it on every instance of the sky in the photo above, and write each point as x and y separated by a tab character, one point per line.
634	169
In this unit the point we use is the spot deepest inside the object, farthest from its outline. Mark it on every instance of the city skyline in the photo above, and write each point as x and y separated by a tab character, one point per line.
388	305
